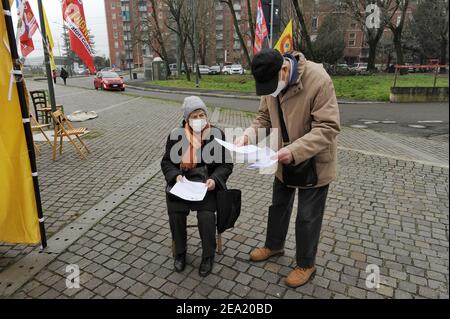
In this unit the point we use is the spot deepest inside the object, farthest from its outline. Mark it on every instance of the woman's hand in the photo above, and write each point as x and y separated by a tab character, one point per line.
179	178
211	184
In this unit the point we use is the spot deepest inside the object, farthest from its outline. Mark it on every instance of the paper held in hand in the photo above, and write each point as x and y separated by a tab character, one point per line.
191	191
258	157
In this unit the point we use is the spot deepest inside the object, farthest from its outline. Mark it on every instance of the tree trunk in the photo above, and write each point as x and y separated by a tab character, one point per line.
304	30
372	55
444	47
250	20
238	31
399	50
159	36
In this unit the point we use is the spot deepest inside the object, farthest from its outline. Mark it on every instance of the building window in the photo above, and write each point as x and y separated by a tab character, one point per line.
351	43
116	44
113	16
315	23
352	35
113	5
114	26
353	25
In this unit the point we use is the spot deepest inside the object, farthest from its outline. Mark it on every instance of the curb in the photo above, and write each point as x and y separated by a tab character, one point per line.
231	96
255	98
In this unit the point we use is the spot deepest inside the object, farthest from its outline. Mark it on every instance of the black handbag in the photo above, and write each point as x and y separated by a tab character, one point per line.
303	174
228	207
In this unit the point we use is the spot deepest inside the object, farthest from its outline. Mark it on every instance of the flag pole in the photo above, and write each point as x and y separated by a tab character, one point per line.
271	25
25	116
51	90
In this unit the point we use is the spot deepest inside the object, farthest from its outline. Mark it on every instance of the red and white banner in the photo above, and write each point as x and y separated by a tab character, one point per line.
260	30
73	15
27	27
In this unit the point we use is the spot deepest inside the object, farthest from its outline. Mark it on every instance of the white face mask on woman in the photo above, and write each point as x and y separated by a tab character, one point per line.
197	125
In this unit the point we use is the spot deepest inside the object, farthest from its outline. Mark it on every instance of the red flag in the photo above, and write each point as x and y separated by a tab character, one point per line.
28	27
260	29
73	15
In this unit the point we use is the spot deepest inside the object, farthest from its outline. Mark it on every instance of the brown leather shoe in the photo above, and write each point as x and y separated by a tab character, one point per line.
264	253
300	276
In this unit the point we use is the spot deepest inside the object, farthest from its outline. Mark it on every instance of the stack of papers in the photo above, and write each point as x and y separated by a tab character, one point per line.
258	156
191	191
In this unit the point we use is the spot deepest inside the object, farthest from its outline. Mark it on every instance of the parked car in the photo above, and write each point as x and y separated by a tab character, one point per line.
359	67
342	66
173	68
203	69
215	69
109	81
233	69
81	72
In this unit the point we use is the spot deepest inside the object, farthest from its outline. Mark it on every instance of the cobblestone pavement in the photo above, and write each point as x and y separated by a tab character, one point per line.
389	207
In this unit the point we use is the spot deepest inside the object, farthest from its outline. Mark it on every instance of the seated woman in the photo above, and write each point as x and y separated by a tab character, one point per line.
192	152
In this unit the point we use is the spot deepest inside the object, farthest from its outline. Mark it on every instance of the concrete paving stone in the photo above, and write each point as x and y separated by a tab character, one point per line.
117	293
103	290
138	289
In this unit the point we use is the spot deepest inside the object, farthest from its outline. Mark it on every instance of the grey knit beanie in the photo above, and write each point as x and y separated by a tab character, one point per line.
191	104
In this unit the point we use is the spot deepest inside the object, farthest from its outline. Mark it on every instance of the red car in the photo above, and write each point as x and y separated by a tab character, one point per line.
107	80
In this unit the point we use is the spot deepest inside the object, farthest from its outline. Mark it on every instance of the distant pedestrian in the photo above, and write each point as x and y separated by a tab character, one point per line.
54	76
63	74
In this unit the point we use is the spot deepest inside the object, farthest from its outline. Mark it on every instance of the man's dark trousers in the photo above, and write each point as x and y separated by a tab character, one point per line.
311	206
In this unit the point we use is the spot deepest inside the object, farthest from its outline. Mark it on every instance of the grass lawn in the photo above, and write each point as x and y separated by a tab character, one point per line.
369	88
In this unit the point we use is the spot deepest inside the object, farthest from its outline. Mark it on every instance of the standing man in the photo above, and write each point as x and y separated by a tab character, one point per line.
305	94
63	74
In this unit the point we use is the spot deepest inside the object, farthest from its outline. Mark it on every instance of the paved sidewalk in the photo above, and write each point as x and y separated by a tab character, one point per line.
389	207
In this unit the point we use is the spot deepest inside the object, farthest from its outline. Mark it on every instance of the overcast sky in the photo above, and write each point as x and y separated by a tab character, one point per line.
94	11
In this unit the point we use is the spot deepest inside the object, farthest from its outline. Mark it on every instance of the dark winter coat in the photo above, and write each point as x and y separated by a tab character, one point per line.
218	169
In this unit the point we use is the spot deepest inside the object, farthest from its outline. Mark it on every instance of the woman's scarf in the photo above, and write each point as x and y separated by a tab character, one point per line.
189	158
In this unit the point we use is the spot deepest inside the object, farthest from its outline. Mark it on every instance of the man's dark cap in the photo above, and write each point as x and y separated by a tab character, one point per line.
265	68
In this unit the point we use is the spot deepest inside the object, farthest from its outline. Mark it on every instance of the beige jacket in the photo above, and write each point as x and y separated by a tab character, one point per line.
311	114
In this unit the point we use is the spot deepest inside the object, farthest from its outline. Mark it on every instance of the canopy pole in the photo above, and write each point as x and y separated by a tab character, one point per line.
25	117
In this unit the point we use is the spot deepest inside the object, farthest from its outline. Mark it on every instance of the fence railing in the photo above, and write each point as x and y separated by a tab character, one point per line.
428	67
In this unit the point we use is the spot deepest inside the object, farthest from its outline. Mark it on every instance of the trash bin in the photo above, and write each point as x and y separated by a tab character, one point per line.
134	76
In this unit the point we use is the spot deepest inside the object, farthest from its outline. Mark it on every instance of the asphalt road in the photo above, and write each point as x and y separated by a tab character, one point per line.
431	119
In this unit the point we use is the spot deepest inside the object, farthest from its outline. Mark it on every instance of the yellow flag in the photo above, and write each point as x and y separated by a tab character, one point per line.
51	44
18	212
285	43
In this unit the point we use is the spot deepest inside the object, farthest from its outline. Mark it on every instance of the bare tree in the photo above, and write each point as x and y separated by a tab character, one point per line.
156	33
179	24
357	10
251	24
397	30
229	3
304	29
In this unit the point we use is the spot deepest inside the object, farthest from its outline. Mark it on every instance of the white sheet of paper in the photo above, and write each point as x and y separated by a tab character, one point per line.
263	159
237	149
187	190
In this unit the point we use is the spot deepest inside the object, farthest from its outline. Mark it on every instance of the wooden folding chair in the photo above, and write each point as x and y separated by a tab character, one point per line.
36	126
41	105
63	128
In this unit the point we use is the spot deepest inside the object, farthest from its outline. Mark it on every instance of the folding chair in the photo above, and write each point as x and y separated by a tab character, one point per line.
41	105
36	126
63	128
